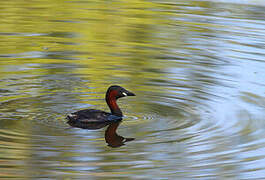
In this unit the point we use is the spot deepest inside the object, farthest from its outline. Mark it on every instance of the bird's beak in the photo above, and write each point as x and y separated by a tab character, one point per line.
128	93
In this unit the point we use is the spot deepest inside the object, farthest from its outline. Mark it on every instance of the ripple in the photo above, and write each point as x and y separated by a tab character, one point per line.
197	70
50	120
64	55
139	118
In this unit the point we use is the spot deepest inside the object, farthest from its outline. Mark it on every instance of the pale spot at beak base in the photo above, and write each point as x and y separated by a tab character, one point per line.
124	94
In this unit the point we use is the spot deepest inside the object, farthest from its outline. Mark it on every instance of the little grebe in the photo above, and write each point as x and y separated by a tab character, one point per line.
82	117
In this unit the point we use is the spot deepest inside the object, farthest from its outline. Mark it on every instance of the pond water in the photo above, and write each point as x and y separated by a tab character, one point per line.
196	67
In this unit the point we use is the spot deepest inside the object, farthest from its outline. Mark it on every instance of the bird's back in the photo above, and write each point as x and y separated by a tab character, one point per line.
87	116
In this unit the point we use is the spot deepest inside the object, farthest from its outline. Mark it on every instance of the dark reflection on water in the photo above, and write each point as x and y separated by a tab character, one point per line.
196	66
111	137
90	125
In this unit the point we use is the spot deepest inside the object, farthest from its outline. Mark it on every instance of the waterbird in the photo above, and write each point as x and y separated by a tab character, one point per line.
84	117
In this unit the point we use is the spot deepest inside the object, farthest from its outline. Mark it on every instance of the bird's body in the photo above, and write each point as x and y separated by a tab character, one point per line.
92	115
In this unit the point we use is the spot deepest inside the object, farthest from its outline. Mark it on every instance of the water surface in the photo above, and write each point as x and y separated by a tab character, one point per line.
197	68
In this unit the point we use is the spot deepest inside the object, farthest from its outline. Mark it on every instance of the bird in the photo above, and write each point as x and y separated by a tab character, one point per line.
85	117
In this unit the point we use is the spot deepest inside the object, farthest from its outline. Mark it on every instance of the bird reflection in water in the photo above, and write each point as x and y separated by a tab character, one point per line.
111	137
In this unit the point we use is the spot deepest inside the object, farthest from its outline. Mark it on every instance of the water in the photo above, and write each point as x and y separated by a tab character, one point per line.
197	68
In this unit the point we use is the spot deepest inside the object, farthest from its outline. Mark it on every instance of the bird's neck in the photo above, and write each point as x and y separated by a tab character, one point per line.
112	103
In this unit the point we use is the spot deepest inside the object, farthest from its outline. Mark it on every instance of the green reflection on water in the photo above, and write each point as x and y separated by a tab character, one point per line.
60	56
